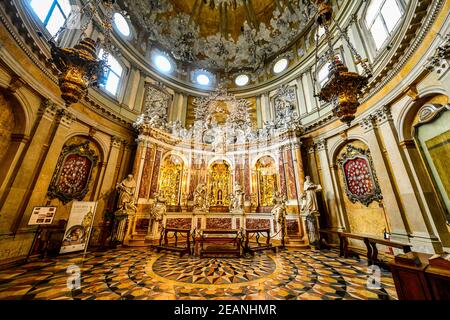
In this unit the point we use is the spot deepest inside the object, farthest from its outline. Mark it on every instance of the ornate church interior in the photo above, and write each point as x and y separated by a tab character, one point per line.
224	149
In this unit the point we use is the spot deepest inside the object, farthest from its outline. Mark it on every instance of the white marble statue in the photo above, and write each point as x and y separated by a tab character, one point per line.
237	200
279	209
126	190
310	204
159	208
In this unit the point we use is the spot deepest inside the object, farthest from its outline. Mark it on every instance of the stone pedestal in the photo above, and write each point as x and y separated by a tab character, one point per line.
153	234
312	236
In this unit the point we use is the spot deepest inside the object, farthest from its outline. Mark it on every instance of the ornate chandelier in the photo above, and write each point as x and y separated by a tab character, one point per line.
79	67
343	88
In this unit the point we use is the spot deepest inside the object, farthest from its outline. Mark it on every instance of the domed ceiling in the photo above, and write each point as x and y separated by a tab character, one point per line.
220	35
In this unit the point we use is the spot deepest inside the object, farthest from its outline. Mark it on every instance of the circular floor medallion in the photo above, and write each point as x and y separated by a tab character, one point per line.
213	270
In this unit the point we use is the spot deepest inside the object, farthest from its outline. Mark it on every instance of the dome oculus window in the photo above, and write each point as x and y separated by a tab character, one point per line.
280	65
113	75
162	63
242	80
382	17
202	78
122	25
52	13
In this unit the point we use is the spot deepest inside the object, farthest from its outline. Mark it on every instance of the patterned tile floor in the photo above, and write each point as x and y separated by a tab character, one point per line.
143	274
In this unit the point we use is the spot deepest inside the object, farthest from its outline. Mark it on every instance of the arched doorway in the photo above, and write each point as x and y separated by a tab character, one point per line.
219	186
267	181
170	179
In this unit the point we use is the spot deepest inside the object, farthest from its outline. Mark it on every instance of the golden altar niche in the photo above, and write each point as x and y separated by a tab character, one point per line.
219	186
170	180
267	181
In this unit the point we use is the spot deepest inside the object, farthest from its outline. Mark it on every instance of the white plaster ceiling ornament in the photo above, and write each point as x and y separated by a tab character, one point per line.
179	34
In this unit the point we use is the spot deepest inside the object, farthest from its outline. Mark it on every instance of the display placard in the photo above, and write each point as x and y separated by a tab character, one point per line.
79	226
42	216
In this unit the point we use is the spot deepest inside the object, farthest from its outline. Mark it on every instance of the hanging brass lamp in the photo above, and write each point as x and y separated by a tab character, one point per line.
343	88
79	68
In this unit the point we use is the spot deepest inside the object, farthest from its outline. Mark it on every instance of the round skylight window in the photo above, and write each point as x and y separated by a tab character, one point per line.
280	65
121	24
203	79
162	63
242	80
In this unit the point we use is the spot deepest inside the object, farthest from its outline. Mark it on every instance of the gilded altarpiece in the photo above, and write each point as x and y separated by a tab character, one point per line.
267	181
219	184
170	179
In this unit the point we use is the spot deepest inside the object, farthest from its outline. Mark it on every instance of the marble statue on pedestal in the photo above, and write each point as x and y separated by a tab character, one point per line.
126	190
159	208
279	211
310	204
310	209
237	200
200	199
126	207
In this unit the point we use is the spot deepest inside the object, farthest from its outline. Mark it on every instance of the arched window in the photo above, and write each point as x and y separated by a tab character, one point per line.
113	75
381	18
52	13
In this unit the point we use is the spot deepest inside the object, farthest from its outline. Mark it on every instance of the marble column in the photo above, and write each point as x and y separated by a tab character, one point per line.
419	222
107	185
398	222
139	162
299	165
23	182
331	198
39	192
426	190
301	96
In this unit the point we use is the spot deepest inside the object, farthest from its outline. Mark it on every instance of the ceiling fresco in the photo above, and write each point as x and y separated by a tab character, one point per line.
221	35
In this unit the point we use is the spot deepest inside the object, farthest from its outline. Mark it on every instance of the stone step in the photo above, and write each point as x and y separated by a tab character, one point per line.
135	243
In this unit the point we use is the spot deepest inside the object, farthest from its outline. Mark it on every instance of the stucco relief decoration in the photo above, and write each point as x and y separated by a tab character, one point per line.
73	172
360	182
285	103
156	104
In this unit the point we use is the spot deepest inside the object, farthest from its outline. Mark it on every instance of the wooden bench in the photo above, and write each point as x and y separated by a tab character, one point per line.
260	247
173	246
220	243
370	243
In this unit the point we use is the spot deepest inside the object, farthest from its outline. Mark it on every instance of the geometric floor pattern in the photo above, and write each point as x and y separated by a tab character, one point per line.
213	270
147	275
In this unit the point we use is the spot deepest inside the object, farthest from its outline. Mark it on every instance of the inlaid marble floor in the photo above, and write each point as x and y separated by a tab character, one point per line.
143	274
